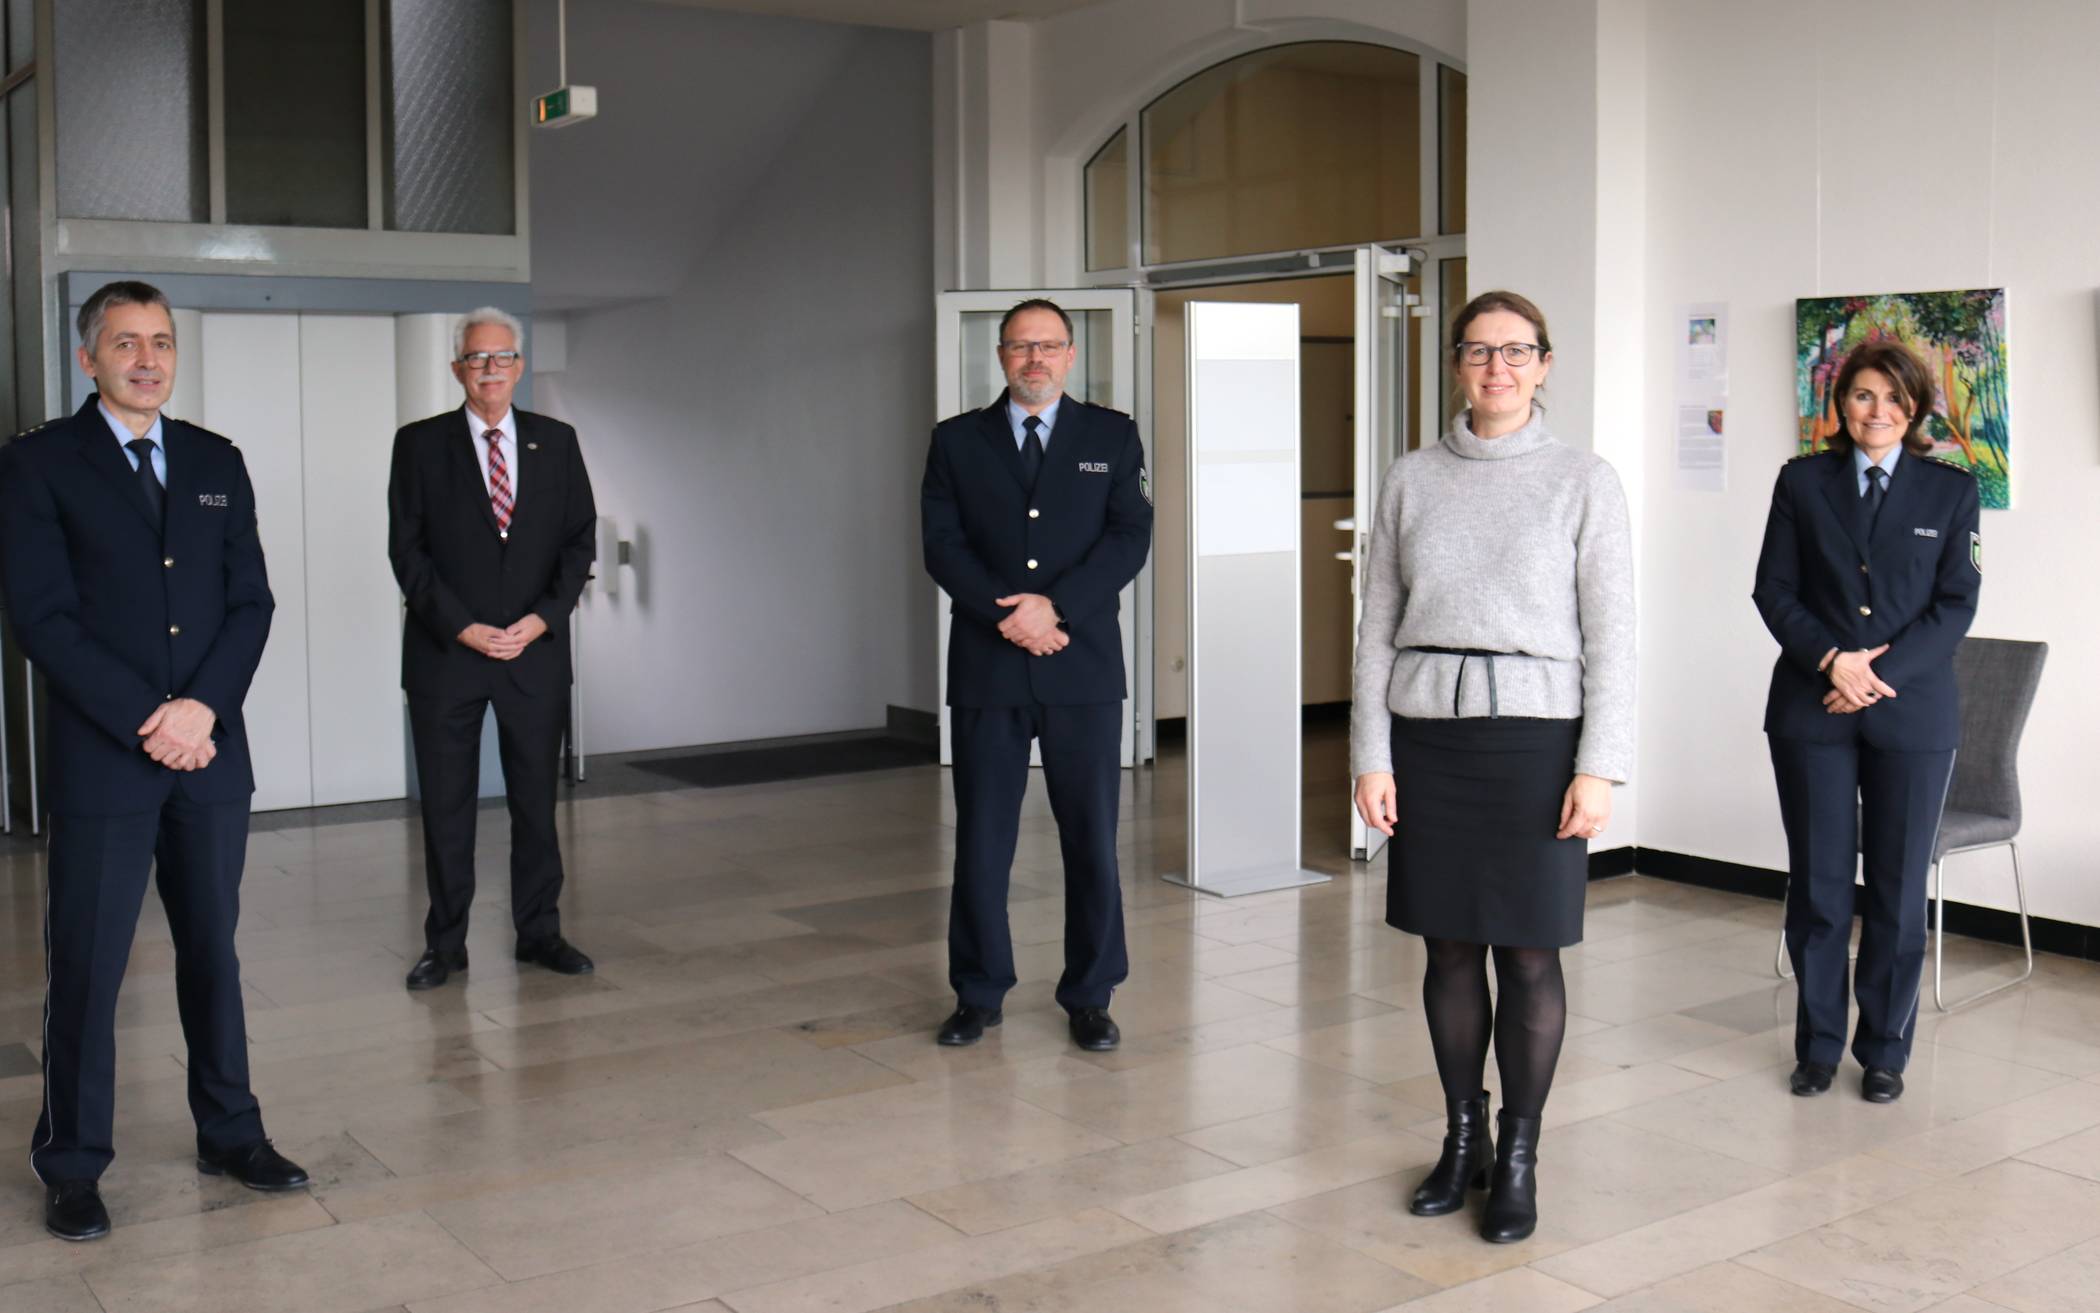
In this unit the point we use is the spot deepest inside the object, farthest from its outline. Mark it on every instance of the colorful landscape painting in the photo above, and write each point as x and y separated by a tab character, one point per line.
1961	338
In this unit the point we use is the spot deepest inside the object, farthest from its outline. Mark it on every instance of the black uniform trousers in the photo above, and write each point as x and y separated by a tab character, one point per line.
1082	746
1845	806
97	871
447	730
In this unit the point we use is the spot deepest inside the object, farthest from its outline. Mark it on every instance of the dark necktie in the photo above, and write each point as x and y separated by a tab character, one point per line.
149	483
1870	501
1032	450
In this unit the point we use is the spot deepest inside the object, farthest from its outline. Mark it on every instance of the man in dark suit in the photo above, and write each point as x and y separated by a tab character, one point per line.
1869	577
492	530
135	580
1036	512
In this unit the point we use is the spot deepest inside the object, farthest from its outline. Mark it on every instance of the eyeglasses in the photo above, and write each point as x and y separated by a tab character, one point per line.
1023	350
1513	353
483	359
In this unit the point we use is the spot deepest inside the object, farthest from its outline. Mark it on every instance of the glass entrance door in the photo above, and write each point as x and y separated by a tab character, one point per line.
968	377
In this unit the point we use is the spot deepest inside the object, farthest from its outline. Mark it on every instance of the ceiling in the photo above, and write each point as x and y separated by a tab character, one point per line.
917	15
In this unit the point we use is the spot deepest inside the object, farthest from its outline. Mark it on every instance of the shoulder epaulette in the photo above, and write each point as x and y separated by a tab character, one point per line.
1106	410
1950	464
39	428
1806	455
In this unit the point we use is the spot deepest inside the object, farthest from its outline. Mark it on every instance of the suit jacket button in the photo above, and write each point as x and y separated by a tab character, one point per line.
1866	610
1031	563
1033	513
174	629
167	562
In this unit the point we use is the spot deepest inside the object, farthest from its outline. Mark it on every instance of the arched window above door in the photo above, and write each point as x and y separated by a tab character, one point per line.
1315	144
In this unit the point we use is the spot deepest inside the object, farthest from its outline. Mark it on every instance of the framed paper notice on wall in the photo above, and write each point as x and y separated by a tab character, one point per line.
1961	338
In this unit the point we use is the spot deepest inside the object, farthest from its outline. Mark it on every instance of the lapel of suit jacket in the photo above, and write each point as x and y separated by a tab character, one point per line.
1900	508
103	453
530	482
999	432
184	452
465	463
1841	490
1062	457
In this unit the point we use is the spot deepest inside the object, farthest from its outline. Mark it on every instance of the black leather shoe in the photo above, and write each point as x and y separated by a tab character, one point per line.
1810	1079
435	968
73	1211
1094	1031
1513	1188
1880	1085
966	1025
557	955
259	1167
1468	1154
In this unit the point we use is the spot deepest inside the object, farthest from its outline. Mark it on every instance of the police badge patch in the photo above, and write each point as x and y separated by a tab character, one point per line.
1976	551
1145	484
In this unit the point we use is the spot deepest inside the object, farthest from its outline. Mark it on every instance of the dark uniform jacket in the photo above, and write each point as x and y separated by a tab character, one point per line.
121	616
456	570
1078	540
1912	585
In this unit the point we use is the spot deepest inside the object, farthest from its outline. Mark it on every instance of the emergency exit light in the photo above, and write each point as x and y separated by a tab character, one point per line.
564	106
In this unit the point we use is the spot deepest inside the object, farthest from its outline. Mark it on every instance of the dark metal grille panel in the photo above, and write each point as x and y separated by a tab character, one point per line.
130	92
450	116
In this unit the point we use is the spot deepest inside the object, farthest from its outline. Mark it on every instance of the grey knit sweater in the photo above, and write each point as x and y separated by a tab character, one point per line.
1515	544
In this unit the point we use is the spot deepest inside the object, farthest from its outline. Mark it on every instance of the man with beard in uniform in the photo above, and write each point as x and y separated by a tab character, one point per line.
1036	512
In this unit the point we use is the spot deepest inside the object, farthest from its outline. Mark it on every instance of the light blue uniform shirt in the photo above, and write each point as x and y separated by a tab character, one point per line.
1887	464
125	436
1015	415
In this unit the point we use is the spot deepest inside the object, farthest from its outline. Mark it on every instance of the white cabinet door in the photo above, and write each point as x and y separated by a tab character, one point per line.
353	651
245	378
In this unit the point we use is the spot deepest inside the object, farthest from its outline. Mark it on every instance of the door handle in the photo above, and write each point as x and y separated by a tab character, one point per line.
1346	526
1345	556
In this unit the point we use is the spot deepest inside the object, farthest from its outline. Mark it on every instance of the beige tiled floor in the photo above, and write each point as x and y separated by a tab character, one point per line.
743	1111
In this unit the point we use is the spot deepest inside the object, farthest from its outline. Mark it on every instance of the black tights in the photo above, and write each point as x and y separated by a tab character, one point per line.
1527	1027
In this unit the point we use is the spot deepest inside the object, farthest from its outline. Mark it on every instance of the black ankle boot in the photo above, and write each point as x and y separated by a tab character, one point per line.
1468	1153
1513	1193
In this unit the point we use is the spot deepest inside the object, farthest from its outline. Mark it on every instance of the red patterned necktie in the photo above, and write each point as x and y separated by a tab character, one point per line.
499	480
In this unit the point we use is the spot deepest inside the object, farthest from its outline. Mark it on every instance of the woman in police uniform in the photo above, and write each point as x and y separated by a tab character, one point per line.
1868	578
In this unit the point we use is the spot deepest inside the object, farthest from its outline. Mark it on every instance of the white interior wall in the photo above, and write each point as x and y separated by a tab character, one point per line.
758	429
1760	192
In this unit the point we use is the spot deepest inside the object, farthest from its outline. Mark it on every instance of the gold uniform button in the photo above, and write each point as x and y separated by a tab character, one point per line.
1033	513
167	562
1031	563
1863	568
1866	610
174	629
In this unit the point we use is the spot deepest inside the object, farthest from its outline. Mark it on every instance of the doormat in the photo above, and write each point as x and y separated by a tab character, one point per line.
802	761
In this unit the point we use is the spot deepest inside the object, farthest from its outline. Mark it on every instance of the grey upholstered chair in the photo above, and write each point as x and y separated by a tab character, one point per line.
1998	679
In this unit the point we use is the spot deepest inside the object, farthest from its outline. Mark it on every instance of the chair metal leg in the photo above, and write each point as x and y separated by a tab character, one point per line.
1780	966
1939	936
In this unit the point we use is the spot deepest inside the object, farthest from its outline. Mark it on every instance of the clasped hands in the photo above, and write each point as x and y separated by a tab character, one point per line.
1853	684
504	644
1033	625
178	734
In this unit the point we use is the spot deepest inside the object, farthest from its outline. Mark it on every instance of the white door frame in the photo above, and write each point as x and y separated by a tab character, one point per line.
1383	309
1121	303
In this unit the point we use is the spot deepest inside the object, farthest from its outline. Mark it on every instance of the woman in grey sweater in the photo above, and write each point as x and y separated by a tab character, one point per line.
1493	712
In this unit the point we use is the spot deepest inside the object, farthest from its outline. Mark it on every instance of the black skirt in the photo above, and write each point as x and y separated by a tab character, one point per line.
1473	857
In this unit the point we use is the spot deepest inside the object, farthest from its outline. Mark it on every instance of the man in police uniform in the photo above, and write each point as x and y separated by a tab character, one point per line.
1035	513
135	581
1869	578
